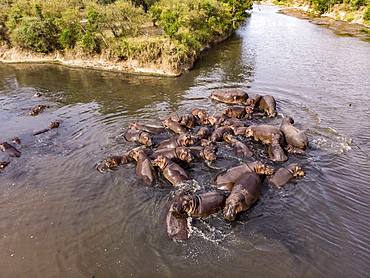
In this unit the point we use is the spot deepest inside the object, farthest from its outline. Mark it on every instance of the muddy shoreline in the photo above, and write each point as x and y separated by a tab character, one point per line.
339	27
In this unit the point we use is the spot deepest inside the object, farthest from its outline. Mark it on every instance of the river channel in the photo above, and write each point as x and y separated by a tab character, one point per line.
59	217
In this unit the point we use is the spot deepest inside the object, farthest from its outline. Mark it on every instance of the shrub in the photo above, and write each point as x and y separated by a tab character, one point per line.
367	13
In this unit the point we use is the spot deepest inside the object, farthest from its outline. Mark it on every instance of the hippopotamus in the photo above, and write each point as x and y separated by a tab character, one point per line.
203	132
3	164
38	109
142	137
219	133
171	171
254	101
177	225
216	121
52	125
184	140
144	167
227	179
207	153
147	128
201	116
235	112
179	153
9	149
240	130
37	94
264	133
268	105
294	137
16	140
200	205
285	175
112	162
188	121
275	151
174	126
230	96
244	194
233	123
240	148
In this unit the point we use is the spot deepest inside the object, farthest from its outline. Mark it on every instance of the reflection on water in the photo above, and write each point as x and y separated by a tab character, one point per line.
61	218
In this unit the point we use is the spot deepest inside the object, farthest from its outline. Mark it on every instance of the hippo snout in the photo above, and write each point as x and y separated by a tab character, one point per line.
229	213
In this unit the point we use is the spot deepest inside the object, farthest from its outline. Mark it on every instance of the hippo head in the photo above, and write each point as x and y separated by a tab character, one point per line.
209	153
188	121
213	120
297	171
145	139
2	146
234	205
135	153
249	132
228	137
263	169
184	154
111	162
249	110
54	124
3	164
161	162
186	140
16	140
288	120
184	205
203	133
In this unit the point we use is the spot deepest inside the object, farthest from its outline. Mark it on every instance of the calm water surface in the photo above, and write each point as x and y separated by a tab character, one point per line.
61	218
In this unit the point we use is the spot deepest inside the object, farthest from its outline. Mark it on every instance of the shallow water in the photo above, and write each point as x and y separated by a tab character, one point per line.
60	218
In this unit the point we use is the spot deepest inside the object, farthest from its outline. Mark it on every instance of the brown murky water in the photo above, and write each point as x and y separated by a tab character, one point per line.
60	218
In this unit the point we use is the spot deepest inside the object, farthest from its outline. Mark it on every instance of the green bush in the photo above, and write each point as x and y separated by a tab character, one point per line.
367	13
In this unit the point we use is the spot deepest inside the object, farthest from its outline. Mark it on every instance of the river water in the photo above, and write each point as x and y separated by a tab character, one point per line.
59	217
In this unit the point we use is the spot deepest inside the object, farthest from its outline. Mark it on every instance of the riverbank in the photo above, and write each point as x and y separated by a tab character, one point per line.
339	27
165	38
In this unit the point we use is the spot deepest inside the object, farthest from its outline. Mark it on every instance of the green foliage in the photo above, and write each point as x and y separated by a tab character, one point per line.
367	13
121	28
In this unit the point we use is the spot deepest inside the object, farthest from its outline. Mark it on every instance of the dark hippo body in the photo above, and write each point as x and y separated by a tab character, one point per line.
113	162
230	96
227	179
244	194
268	105
178	153
174	126
293	136
254	101
201	116
235	112
240	148
38	109
265	133
184	140
207	153
138	136
285	175
203	133
216	121
188	121
200	205
177	226
144	167
148	128
52	125
171	171
9	149
276	153
219	133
